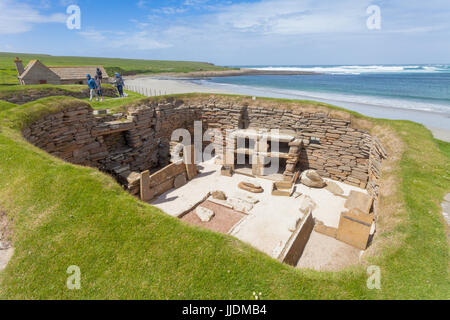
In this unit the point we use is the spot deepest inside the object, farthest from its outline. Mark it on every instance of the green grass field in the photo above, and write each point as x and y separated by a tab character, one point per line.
65	215
8	73
113	103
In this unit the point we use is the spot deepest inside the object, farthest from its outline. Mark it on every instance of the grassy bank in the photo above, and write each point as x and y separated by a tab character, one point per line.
112	102
65	215
8	73
6	91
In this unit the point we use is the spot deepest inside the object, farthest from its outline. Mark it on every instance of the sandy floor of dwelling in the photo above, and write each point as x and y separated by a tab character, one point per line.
323	253
267	225
224	220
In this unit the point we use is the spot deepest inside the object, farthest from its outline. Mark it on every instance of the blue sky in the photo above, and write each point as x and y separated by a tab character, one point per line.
251	32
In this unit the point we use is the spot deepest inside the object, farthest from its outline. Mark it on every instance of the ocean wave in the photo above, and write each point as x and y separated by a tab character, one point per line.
358	69
374	101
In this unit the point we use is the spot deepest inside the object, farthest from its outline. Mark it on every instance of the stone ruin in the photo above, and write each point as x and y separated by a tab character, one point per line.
136	148
129	143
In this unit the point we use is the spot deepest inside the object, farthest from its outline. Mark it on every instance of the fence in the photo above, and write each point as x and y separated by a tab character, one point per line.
148	92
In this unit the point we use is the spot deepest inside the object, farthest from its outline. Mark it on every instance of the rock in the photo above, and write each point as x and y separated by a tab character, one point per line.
5	245
325	230
294	223
252	184
204	214
312	179
227	171
447	197
307	204
246	198
180	180
334	188
446	211
219	195
253	188
240	205
360	201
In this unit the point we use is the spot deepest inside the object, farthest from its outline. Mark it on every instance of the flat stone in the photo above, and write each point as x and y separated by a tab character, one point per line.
252	184
180	181
240	205
447	197
4	245
251	189
5	256
204	214
246	198
219	195
446	211
325	230
360	201
307	204
334	188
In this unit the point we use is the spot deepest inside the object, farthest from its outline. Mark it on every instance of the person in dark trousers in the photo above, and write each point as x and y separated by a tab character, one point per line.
118	82
100	75
92	87
98	82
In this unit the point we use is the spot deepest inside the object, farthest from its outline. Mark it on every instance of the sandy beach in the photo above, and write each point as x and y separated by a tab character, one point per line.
162	86
153	86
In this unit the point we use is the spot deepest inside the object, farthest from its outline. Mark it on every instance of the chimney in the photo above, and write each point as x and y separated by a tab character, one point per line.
19	66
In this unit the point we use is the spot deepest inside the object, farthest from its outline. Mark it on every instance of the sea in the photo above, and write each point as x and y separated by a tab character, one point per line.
419	93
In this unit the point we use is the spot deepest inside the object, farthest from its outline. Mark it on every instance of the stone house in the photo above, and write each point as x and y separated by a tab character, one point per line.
38	73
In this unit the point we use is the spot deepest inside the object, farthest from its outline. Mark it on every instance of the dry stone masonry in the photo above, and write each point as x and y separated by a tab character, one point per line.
24	96
139	139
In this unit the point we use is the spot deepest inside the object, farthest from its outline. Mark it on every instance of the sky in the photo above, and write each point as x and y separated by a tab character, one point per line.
241	32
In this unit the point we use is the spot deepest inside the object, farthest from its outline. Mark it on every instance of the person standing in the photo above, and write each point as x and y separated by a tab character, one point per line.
118	81
100	75
98	82
92	87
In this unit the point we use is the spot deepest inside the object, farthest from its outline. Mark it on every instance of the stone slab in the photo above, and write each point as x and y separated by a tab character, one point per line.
204	214
354	228
180	180
146	194
325	230
360	201
295	247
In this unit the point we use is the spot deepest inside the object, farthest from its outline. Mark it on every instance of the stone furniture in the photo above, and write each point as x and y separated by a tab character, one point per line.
138	139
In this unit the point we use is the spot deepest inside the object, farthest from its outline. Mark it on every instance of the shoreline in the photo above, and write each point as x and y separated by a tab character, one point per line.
224	73
163	85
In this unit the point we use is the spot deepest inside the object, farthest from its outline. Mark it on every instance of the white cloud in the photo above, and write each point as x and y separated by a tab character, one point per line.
93	35
194	2
169	10
139	41
19	17
287	17
142	4
142	41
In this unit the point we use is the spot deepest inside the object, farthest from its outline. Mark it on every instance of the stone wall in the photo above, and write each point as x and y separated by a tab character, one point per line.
169	177
39	74
123	145
27	95
377	155
127	144
331	145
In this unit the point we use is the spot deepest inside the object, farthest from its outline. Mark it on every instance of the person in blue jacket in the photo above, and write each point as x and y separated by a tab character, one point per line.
118	82
93	87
